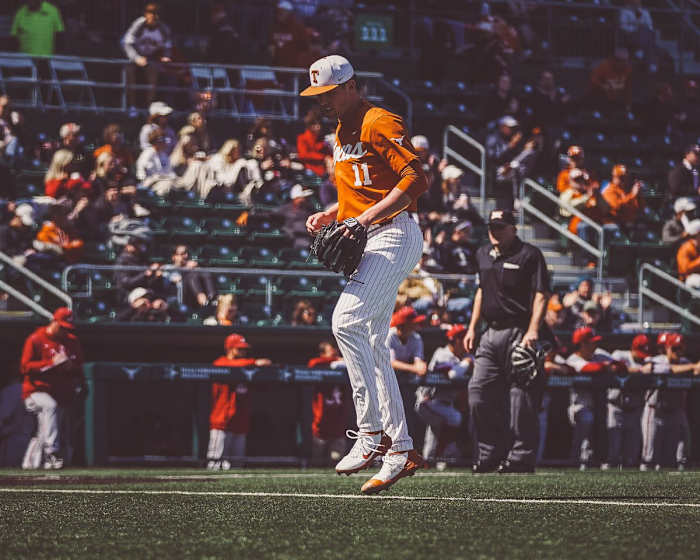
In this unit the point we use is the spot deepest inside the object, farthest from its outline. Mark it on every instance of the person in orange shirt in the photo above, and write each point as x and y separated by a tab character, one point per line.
312	151
114	144
229	420
688	257
610	80
574	161
624	201
329	407
379	179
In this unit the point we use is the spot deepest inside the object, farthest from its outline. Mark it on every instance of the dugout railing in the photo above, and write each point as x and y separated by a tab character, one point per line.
479	169
121	396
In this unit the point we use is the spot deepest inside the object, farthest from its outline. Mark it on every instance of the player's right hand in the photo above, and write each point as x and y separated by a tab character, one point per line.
316	221
469	340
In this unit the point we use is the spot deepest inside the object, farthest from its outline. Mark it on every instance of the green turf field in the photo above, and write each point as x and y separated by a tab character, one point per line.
315	514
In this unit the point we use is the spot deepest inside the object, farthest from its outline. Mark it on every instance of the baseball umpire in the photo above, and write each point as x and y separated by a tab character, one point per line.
512	296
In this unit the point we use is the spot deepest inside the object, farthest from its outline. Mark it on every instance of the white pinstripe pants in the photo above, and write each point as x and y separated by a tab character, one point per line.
361	325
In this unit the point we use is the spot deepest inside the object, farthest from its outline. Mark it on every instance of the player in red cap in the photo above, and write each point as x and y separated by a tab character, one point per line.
625	408
52	366
587	359
437	405
229	421
665	431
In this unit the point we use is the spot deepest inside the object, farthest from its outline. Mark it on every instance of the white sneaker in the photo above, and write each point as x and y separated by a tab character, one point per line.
605	467
644	467
52	462
213	465
396	465
367	448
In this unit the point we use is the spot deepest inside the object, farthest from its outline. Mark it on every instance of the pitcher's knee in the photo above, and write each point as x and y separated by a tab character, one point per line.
343	324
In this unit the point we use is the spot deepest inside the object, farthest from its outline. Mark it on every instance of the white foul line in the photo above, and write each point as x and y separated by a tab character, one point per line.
346	496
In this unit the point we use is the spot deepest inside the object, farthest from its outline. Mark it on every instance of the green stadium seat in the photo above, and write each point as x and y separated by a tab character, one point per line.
220	255
292	257
301	287
183	227
257	286
261	257
97	252
224	228
266	234
333	286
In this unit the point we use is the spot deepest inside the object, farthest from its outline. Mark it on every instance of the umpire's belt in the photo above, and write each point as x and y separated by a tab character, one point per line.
514	323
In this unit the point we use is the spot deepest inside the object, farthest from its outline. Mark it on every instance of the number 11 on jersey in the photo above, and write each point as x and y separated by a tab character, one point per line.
365	179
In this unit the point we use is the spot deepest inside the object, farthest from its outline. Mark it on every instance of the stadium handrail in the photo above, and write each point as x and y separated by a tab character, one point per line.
292	93
480	171
651	294
597	252
22	298
37	279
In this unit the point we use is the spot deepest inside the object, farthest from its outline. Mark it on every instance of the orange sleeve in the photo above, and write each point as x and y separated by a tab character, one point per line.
687	259
391	142
563	180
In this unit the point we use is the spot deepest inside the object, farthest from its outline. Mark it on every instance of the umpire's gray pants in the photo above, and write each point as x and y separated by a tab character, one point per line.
504	418
624	436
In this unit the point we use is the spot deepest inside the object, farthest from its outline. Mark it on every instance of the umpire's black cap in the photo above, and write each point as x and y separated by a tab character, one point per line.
500	217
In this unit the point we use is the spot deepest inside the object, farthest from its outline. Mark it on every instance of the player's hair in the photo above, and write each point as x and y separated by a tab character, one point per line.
59	164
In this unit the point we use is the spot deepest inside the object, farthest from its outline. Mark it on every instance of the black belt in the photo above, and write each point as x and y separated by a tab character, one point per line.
375	227
508	324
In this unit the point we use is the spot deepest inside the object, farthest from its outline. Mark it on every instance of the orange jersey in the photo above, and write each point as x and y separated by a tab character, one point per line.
371	150
624	206
688	259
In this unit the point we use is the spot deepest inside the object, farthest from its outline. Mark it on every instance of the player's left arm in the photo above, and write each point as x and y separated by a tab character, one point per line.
391	142
540	285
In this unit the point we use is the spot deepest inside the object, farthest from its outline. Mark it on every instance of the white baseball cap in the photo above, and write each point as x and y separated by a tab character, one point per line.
451	172
25	212
159	108
508	121
137	293
693	228
327	73
683	204
299	192
420	142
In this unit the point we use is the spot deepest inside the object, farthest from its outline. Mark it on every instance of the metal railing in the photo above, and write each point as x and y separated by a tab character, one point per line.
266	274
226	81
658	298
479	171
32	277
526	206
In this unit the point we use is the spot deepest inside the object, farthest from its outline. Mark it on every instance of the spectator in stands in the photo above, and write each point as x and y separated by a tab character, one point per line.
198	288
674	231
456	253
262	128
144	306
158	120
114	144
556	315
231	408
624	416
226	173
227	313
502	146
184	152
52	370
291	40
11	148
637	29
407	359
63	180
312	150
110	172
420	290
198	122
587	359
294	213
17	234
622	196
109	206
501	101
437	406
56	242
688	257
37	26
432	167
153	166
575	304
268	169
684	179
548	102
224	41
510	173
574	160
304	314
147	44
590	316
140	274
329	407
610	82
71	140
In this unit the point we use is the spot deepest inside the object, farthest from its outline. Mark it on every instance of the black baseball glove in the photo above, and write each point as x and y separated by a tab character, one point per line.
527	364
338	252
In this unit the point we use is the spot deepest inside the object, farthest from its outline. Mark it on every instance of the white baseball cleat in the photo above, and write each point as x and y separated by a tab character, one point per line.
52	462
367	448
396	465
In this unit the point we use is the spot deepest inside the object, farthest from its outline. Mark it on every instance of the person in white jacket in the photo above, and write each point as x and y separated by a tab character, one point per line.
153	168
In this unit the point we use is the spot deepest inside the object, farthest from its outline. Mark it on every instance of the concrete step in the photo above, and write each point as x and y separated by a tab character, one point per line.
555	257
545	244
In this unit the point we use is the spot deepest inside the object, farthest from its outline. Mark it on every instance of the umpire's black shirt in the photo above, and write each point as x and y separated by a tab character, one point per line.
509	280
